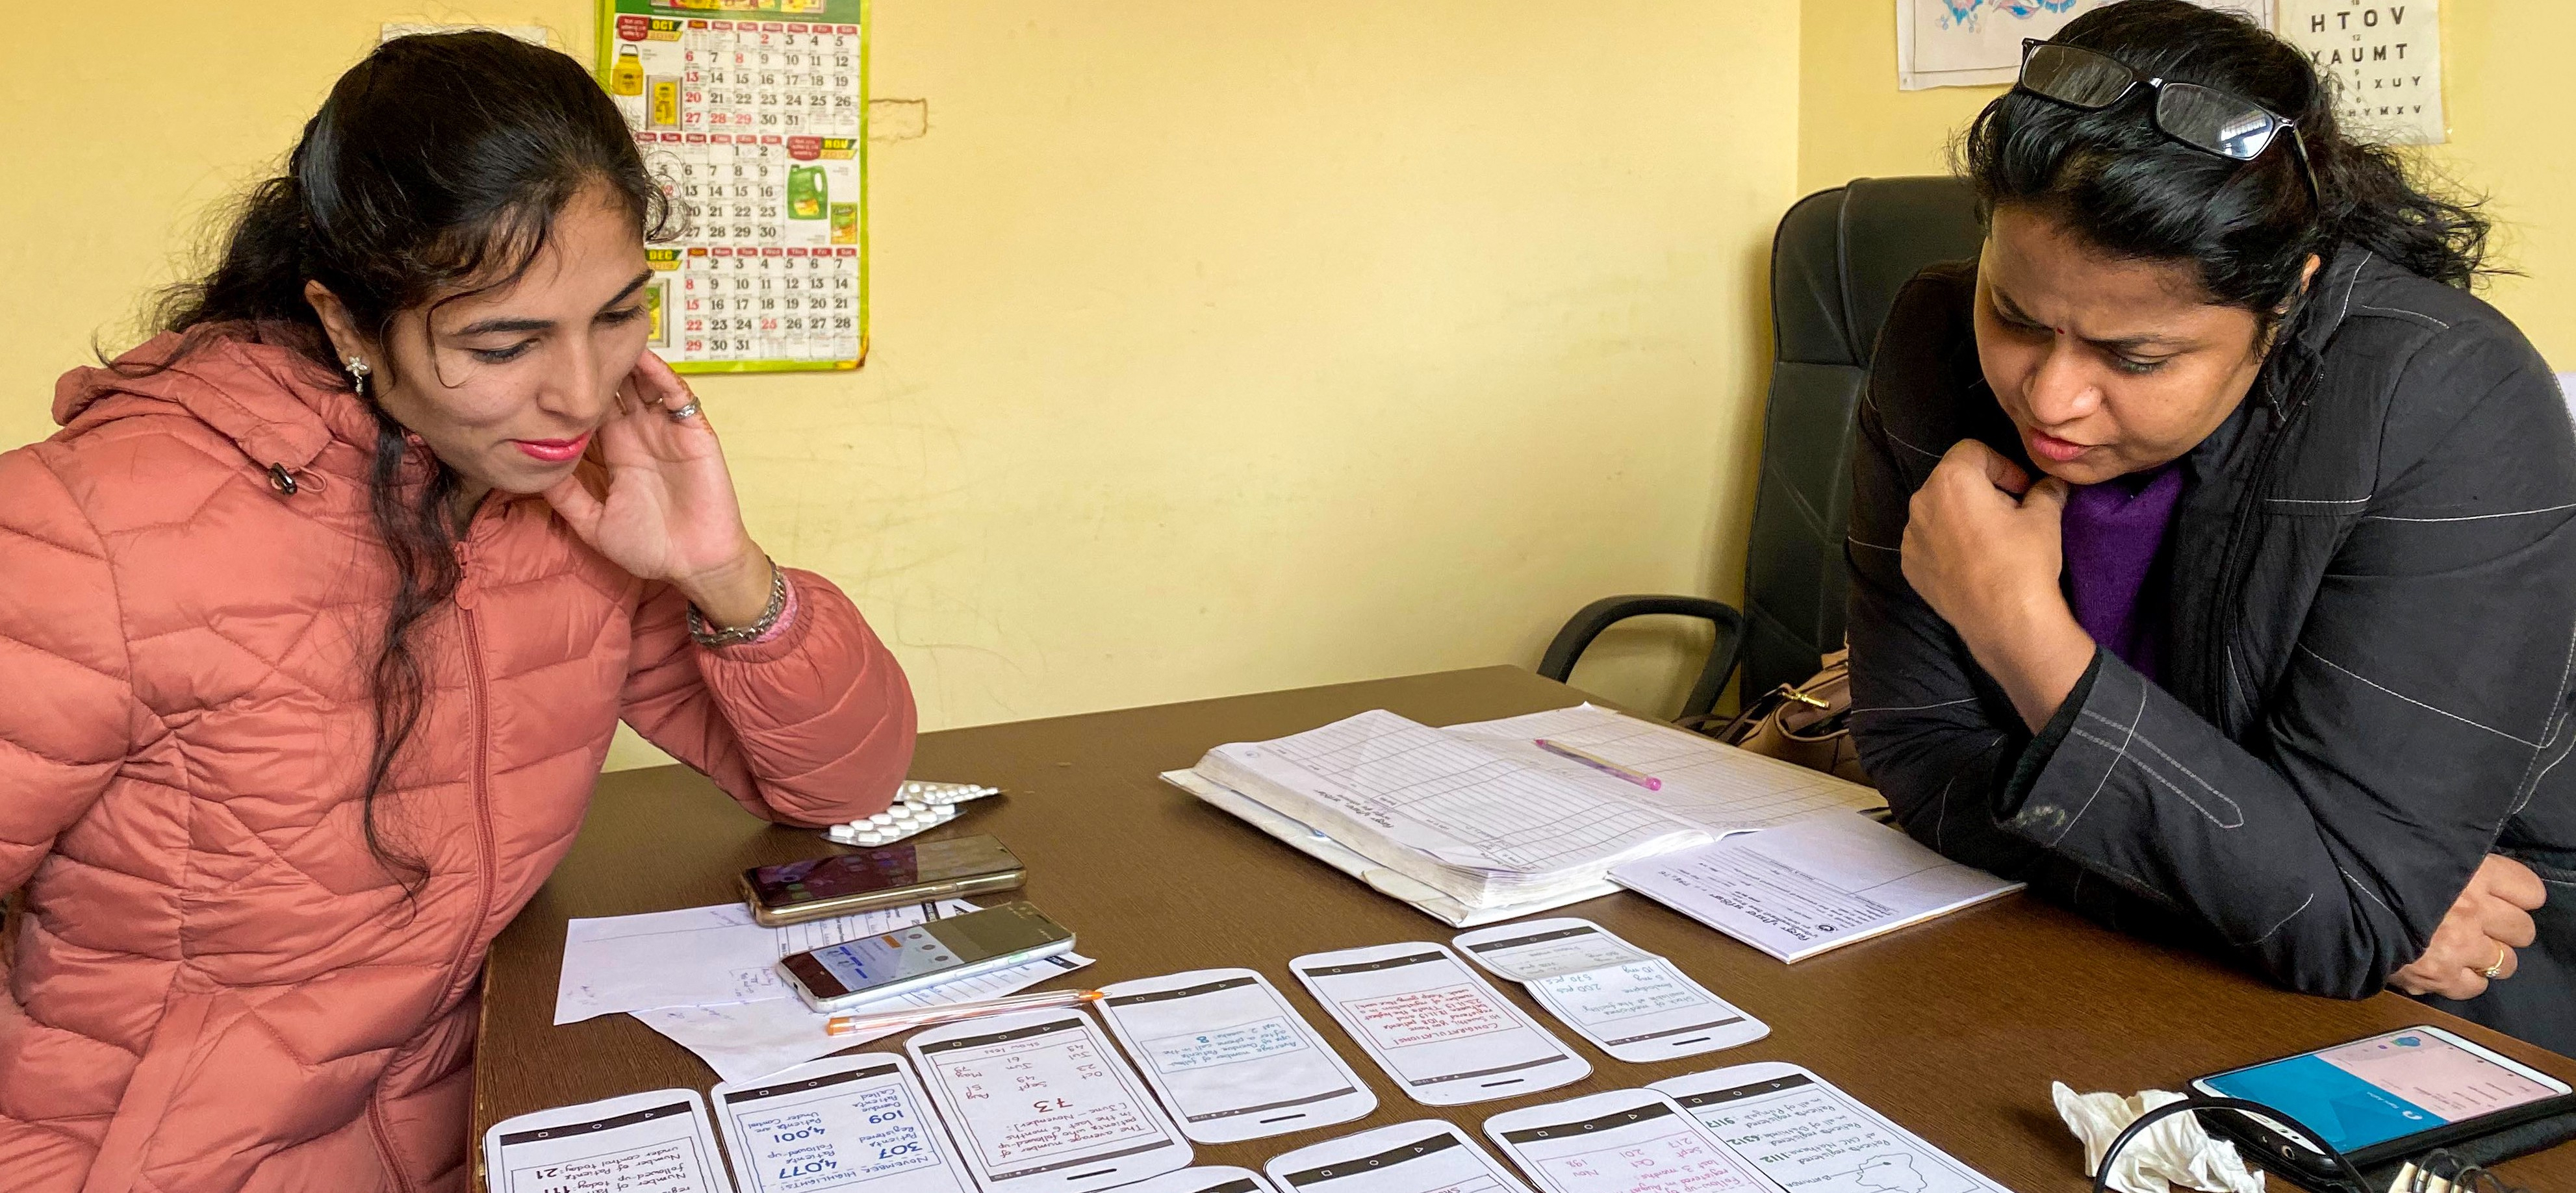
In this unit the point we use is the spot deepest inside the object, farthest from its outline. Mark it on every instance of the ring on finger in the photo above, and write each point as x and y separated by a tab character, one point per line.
2495	972
682	413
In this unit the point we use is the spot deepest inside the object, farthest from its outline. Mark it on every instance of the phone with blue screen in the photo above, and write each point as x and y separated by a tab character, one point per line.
2393	1095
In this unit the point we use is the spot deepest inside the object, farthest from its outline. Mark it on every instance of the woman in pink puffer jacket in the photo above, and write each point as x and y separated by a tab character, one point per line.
315	621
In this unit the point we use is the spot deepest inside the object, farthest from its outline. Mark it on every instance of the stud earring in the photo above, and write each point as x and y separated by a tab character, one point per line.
358	373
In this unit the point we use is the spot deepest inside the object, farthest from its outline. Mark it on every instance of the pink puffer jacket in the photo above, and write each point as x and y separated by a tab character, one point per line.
218	987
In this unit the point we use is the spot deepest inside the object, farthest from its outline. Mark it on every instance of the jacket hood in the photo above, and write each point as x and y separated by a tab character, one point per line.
271	401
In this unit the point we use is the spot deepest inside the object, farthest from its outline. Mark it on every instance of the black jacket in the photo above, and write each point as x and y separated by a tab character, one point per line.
2371	637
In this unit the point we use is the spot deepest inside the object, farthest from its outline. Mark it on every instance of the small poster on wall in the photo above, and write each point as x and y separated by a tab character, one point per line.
2385	59
1971	43
753	114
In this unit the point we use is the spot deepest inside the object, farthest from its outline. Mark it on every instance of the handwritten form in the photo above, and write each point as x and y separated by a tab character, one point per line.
1039	1100
1813	1138
1630	1003
657	1142
744	1040
1230	1057
695	956
852	1122
1445	1034
1715	786
1624	1141
1416	1157
1214	1178
1800	889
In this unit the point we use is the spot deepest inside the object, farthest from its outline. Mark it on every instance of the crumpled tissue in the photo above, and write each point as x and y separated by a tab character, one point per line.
2175	1151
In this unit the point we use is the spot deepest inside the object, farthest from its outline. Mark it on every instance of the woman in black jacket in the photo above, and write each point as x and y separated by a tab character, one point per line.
2214	550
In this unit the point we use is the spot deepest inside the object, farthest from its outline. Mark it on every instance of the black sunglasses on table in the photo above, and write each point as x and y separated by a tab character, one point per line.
2205	118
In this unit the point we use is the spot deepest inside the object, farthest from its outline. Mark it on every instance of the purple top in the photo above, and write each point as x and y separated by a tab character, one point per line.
2114	536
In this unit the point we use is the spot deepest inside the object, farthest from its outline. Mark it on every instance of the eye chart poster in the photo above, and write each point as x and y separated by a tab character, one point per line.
2385	59
753	114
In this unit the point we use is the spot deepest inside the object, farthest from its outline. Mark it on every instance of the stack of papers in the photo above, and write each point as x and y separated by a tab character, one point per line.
1822	883
707	978
1477	823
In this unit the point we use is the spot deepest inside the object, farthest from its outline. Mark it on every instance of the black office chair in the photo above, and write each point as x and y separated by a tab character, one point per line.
1837	261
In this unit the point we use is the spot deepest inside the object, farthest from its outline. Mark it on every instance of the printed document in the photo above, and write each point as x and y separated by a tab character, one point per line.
744	1040
1040	1100
699	955
1623	1141
1630	1003
1445	1034
1813	1138
659	1142
1416	1157
1230	1057
1801	889
849	1123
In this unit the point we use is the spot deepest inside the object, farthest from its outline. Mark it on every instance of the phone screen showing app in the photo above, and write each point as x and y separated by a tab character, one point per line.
2382	1088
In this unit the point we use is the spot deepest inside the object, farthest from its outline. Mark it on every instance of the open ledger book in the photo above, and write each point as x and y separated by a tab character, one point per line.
1476	823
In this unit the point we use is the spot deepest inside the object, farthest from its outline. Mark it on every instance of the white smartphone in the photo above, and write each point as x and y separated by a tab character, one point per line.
2391	1095
837	977
1624	1141
842	1123
1230	1057
1426	1156
1041	1103
1445	1034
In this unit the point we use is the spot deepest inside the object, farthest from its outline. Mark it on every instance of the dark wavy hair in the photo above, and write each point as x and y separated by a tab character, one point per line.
435	170
2110	177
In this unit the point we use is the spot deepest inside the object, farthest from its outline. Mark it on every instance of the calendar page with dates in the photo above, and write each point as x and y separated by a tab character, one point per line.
753	114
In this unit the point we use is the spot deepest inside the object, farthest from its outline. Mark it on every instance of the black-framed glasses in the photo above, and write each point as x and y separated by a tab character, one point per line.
2205	118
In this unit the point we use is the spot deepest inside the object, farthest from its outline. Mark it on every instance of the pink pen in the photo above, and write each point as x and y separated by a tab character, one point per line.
1613	769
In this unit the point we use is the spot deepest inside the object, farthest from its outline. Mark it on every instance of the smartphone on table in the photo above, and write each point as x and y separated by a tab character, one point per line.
2389	1097
913	872
837	977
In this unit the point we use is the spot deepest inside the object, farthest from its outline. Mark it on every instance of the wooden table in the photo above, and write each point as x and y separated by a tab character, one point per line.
1953	1028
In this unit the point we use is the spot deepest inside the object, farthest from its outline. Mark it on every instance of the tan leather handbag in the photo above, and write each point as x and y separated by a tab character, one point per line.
1808	724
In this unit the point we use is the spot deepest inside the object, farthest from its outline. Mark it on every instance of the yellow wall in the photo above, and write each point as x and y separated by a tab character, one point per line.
1221	348
2509	108
1218	347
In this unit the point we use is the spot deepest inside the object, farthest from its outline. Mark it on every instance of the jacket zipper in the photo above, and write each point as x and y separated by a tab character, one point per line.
478	700
385	1145
2223	676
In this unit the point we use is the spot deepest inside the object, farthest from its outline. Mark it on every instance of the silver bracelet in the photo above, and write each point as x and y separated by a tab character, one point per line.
700	634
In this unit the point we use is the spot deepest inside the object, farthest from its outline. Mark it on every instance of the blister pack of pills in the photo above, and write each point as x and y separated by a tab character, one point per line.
916	807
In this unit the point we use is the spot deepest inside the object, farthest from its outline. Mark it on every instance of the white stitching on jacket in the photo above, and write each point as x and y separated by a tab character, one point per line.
2303	647
2362	500
2366	891
2549	734
2116	756
1872	546
2294	914
2402	311
2237	809
2546	509
1892	436
2168	784
2534	787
